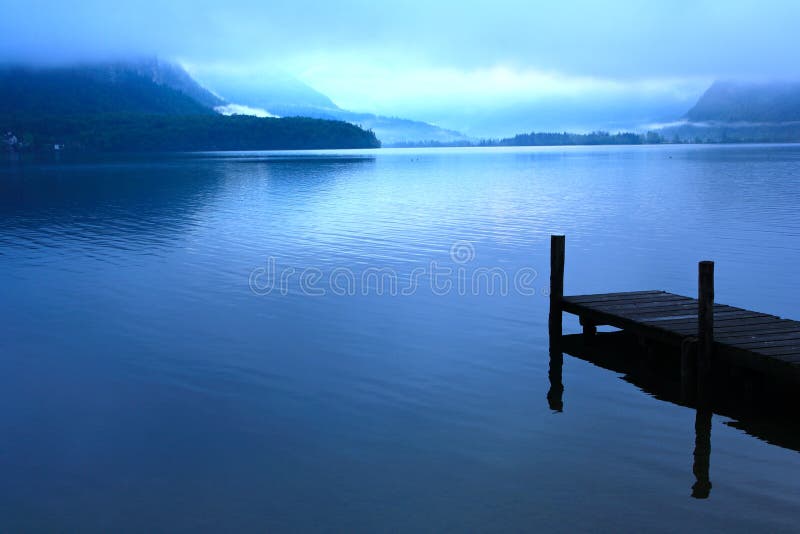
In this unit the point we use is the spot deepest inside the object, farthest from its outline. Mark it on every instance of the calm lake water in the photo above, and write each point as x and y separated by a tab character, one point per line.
166	366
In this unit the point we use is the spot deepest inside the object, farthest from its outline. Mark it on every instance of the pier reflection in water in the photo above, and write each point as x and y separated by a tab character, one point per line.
764	412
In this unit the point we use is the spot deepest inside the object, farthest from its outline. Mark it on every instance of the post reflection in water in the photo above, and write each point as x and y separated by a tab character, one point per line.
701	489
555	395
702	453
767	416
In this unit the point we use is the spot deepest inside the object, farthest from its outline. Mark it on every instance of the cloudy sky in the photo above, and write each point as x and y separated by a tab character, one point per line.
419	56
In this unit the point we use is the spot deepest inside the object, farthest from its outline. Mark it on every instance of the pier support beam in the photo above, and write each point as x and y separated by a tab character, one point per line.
557	246
589	329
705	330
688	369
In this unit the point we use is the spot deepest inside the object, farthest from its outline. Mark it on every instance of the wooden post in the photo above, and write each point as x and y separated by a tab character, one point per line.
556	391
556	283
705	330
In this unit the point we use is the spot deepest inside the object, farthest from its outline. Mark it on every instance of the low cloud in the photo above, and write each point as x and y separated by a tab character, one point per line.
238	109
621	39
380	89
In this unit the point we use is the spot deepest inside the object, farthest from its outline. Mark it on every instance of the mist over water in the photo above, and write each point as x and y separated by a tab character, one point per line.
151	386
488	70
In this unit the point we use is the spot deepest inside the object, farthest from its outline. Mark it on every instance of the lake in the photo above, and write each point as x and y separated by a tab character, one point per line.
357	340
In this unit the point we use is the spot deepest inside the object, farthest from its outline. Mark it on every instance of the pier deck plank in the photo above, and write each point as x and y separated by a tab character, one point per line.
754	339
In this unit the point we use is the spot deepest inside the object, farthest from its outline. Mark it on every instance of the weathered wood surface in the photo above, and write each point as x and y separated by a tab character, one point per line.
752	339
557	247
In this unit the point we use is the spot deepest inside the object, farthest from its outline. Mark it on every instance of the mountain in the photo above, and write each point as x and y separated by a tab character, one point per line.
174	76
742	112
86	89
748	102
272	91
145	105
390	130
285	96
396	131
560	113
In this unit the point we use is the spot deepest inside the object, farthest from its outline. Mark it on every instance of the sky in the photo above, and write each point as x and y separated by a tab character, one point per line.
425	57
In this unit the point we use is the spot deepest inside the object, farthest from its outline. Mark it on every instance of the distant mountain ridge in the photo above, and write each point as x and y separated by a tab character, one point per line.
727	101
175	77
390	130
286	96
741	112
275	92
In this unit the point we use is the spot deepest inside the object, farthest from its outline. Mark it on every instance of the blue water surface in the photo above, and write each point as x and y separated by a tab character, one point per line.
299	341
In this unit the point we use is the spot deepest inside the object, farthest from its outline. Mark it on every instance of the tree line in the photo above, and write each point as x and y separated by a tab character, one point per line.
121	132
552	139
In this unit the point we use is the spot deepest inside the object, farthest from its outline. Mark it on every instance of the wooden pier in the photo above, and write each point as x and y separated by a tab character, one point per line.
708	337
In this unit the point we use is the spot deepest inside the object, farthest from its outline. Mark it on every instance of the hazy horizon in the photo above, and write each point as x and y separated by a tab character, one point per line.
483	70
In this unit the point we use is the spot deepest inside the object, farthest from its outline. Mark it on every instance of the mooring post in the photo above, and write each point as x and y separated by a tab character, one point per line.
556	391
705	352
705	330
556	283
